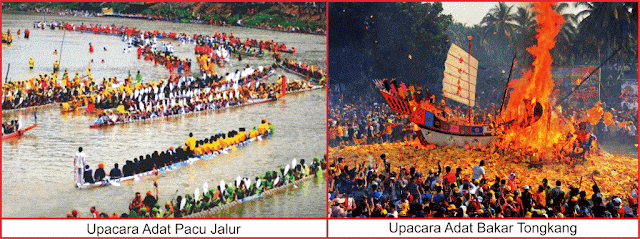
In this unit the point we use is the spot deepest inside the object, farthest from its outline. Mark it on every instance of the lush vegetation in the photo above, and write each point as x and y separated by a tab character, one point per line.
306	16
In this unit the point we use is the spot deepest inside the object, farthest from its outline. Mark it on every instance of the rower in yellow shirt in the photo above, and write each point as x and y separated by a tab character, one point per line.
56	66
253	133
223	142
207	146
198	150
263	127
191	142
242	135
215	146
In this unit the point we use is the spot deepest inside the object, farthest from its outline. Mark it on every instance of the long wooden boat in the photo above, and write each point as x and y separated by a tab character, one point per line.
435	130
278	30
19	132
458	84
246	54
292	71
254	102
208	212
175	166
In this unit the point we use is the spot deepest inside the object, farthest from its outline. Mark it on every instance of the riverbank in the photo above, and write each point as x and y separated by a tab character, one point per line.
286	17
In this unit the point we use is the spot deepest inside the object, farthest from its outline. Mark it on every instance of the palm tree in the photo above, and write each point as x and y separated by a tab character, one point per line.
498	32
524	20
498	23
610	24
569	29
526	29
565	45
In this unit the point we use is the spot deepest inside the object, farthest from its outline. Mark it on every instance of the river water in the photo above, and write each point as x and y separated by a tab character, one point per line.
37	168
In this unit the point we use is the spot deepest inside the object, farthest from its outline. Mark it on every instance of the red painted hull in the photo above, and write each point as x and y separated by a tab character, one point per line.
19	133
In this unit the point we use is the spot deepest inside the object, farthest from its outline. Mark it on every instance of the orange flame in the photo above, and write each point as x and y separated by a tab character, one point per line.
608	118
536	86
595	113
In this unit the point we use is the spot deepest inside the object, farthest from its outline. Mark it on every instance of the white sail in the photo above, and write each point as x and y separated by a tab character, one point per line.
460	73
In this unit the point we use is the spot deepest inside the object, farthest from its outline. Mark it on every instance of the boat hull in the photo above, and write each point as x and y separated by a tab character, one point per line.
434	130
253	102
444	139
168	168
19	133
207	213
296	73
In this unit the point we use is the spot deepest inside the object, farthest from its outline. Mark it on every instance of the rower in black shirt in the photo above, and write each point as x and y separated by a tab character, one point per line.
115	172
99	174
128	168
88	175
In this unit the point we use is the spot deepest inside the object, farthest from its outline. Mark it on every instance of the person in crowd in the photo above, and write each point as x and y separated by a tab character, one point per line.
99	175
115	172
88	175
80	161
136	204
401	192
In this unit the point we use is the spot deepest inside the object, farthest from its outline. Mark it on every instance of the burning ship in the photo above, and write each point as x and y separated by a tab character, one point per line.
518	123
459	84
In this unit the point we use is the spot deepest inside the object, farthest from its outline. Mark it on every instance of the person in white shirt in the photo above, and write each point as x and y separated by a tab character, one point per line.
80	160
478	171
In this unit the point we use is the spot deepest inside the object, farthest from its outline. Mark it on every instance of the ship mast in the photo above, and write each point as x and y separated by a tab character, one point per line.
469	78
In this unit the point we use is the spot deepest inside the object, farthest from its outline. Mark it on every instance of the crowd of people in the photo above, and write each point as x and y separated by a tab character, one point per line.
621	126
83	91
351	124
296	10
384	190
205	44
193	95
164	57
137	37
46	89
148	206
381	189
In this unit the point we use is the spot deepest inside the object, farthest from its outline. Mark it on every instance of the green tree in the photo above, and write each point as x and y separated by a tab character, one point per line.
609	24
565	49
525	26
605	28
498	31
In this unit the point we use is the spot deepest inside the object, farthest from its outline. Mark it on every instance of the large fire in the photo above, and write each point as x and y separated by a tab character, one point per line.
549	129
